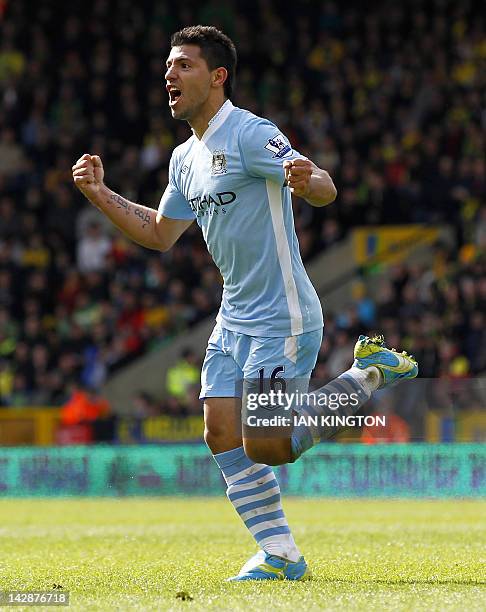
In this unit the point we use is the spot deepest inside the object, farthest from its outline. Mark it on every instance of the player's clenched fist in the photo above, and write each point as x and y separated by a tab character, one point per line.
298	174
88	174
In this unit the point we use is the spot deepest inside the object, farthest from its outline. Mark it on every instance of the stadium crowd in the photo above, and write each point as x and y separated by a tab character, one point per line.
390	102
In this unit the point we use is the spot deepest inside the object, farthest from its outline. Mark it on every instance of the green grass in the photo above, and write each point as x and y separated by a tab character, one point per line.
137	554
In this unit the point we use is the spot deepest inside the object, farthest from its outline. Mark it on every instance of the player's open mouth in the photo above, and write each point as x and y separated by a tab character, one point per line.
174	96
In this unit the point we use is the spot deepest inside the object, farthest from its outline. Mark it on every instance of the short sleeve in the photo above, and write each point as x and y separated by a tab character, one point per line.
172	203
263	150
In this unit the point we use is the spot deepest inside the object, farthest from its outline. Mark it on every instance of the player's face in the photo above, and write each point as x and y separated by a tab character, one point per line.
188	81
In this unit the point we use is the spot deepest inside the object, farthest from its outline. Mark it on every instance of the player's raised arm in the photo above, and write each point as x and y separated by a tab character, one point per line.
308	181
267	153
140	223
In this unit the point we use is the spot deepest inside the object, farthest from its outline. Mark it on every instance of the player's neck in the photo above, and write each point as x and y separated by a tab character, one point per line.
199	124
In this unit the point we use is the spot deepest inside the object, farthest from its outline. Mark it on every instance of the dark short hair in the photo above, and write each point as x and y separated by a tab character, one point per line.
216	48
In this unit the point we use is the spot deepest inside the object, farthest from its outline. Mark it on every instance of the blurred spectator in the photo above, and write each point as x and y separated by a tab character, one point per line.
395	430
93	249
183	375
83	406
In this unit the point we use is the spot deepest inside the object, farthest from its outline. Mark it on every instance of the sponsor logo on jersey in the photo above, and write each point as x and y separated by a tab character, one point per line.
219	165
279	146
212	204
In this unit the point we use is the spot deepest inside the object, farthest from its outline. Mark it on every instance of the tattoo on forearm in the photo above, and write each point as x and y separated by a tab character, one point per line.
122	203
142	214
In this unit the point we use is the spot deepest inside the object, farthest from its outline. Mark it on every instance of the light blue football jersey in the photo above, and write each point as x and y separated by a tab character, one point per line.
232	183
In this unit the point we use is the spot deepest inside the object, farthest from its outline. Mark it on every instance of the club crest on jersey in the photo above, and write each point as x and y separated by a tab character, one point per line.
219	165
279	146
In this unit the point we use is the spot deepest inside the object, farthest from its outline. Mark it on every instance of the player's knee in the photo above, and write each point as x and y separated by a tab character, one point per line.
212	436
219	437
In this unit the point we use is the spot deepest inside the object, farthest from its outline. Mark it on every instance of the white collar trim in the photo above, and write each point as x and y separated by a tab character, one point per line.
217	121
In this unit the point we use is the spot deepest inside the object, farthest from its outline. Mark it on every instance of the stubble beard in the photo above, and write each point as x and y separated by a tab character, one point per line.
183	115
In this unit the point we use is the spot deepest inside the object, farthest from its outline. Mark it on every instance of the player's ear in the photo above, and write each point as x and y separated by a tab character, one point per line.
219	76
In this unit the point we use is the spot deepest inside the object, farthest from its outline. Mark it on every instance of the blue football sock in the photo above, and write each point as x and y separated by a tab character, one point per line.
255	494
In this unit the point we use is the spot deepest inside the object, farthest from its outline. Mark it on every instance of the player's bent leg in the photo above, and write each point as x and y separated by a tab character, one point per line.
375	366
292	360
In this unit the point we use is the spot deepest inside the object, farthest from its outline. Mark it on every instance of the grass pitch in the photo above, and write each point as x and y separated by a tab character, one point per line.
137	554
